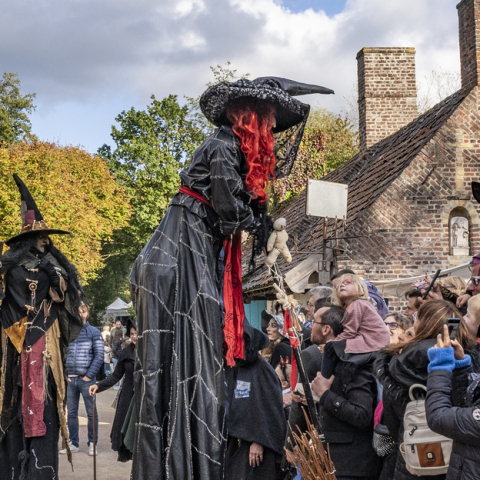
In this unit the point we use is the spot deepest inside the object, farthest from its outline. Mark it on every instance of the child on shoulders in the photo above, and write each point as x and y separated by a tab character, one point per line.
363	329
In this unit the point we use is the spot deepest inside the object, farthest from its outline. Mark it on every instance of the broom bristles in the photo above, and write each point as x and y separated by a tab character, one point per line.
309	455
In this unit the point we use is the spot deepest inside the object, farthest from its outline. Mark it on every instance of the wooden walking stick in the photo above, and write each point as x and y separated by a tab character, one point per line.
94	440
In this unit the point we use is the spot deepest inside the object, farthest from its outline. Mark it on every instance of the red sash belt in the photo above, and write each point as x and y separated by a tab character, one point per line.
232	289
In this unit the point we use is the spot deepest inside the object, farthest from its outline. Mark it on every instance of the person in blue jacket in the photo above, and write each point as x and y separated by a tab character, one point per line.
448	364
84	360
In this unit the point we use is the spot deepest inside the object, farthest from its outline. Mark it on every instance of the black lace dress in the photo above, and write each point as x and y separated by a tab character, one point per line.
175	282
124	369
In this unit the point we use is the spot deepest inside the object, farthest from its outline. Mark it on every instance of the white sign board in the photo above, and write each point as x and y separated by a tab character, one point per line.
326	199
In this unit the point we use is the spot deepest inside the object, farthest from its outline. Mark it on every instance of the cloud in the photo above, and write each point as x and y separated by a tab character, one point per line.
85	53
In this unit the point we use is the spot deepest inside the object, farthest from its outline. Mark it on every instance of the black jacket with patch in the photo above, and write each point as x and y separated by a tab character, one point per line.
346	416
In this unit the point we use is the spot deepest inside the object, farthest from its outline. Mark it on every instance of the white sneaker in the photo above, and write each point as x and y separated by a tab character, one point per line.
73	449
90	451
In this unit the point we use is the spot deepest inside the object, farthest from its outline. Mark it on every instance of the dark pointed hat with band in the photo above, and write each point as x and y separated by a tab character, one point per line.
32	220
291	114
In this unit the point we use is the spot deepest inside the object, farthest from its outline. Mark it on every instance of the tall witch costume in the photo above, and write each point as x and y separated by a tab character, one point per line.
176	286
39	300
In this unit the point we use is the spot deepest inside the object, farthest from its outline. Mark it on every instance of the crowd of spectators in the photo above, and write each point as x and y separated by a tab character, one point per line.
361	361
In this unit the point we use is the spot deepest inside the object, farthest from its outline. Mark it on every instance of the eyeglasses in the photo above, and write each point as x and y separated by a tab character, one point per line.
343	282
309	305
318	323
392	325
474	281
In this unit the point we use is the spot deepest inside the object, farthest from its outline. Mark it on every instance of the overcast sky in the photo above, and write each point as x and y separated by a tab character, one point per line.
87	60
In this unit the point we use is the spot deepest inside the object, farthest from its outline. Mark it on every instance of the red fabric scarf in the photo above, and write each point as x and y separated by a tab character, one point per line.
288	330
232	290
33	402
232	298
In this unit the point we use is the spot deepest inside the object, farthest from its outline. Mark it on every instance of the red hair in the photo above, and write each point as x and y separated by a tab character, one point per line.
253	124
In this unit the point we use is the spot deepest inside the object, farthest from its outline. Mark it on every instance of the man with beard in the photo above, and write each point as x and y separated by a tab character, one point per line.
39	302
326	325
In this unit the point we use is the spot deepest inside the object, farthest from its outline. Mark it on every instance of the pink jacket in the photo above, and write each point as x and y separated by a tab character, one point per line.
363	328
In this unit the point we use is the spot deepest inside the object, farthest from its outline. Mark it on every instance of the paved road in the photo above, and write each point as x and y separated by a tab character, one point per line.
107	466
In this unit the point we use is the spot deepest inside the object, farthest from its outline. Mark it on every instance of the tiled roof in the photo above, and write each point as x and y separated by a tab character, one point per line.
368	176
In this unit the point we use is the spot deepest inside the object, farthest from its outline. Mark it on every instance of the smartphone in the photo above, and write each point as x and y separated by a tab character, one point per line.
453	324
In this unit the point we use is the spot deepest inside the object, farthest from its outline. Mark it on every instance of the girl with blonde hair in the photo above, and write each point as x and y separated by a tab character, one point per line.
363	329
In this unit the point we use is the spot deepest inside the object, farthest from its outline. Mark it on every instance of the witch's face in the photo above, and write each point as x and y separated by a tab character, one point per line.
273	330
42	242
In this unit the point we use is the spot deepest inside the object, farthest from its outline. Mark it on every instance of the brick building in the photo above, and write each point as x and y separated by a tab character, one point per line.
410	203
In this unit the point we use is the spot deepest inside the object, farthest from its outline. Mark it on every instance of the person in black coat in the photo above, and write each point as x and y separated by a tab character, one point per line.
255	423
124	369
401	365
462	424
347	403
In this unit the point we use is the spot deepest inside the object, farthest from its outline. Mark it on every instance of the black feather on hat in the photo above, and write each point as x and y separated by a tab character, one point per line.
32	220
291	114
476	191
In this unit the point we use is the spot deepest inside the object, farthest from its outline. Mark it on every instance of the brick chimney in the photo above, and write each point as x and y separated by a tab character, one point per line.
469	33
387	92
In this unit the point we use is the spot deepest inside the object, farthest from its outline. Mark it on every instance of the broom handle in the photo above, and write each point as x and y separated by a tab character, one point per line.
308	392
94	441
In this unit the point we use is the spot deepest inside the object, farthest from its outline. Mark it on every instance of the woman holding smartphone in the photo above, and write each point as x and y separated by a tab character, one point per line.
460	423
401	365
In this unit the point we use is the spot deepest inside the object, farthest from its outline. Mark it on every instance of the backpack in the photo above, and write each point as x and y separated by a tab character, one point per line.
425	452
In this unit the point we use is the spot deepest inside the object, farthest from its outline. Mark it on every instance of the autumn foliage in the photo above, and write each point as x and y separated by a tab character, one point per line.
310	163
74	191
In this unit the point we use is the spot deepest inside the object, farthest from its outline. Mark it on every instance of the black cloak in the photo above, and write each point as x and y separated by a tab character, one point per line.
255	411
34	458
179	375
124	369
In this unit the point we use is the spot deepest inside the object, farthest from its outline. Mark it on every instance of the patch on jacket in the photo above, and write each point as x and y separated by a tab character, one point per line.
476	414
242	390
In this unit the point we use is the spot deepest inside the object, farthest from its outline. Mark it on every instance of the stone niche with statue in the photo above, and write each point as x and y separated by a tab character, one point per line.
459	236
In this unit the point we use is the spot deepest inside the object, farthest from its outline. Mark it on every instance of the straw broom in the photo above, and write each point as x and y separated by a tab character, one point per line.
309	455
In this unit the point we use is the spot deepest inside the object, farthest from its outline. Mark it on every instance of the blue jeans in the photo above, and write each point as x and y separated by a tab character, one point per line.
107	369
78	386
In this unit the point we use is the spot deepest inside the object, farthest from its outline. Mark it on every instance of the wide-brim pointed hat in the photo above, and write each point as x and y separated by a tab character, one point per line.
291	114
32	220
278	91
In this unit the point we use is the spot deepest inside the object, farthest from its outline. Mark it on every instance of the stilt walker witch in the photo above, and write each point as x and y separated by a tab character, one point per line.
39	300
182	295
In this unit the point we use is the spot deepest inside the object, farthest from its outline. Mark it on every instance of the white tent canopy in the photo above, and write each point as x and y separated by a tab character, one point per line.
398	287
117	309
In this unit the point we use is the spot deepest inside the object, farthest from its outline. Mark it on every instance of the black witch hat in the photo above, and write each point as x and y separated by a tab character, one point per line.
32	220
291	114
278	91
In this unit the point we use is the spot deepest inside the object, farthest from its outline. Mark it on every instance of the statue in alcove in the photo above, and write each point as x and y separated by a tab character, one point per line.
459	238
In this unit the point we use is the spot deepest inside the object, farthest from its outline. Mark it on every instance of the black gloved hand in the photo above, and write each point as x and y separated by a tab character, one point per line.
51	271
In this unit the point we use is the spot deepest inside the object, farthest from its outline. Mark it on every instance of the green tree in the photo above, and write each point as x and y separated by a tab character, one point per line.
151	147
14	110
328	142
341	137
